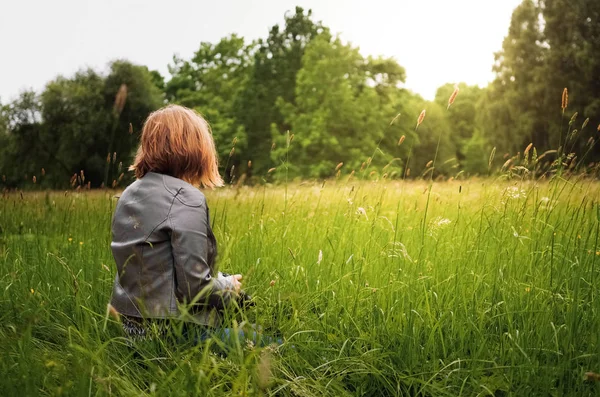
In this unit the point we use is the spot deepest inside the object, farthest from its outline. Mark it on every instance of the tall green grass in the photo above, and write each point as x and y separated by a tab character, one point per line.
495	293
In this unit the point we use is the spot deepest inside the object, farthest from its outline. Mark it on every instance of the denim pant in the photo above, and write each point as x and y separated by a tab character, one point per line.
138	329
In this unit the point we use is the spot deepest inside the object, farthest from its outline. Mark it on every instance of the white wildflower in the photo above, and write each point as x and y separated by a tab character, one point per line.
361	211
440	222
436	224
547	204
514	192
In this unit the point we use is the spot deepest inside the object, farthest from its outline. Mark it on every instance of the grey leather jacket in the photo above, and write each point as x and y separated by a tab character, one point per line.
165	252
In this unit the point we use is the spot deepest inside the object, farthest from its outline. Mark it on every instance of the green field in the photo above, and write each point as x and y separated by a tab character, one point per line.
487	288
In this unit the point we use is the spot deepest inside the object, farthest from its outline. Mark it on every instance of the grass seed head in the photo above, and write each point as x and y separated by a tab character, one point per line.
491	159
452	97
401	140
429	164
565	99
130	128
585	123
120	99
527	149
264	374
394	119
34	179
420	119
339	166
271	170
573	118
249	163
43	172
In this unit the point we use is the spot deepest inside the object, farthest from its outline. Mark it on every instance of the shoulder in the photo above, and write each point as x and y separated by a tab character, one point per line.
184	192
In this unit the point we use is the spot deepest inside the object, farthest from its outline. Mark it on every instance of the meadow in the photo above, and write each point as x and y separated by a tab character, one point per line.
489	287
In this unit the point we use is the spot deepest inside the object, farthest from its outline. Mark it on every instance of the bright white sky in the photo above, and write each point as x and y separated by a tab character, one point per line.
437	41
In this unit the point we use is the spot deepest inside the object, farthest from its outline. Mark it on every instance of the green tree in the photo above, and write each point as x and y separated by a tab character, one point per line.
476	154
73	125
435	127
210	82
551	44
394	114
515	104
23	152
464	123
142	97
572	35
343	107
276	63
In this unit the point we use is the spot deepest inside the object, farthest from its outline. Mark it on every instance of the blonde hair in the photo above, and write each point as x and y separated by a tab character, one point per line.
177	141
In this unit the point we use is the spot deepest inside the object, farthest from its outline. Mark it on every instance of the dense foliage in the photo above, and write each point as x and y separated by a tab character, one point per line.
305	98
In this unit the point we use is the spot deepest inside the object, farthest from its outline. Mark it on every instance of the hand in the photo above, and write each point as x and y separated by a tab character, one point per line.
237	285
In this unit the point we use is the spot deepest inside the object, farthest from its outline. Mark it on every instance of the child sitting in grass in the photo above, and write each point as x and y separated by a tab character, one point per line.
162	241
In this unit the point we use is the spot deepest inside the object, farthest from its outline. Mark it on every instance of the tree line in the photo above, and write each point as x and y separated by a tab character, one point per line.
302	103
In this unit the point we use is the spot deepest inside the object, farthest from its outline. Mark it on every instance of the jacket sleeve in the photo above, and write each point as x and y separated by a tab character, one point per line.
190	243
